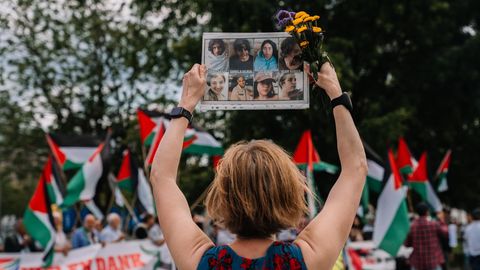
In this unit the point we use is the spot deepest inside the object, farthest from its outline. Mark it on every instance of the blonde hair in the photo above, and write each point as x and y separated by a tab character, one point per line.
257	190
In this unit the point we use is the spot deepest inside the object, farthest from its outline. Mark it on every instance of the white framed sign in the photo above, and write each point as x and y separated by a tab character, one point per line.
253	71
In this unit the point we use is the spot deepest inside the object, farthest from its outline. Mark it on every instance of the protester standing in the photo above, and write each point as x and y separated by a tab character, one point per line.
85	235
112	233
424	237
472	238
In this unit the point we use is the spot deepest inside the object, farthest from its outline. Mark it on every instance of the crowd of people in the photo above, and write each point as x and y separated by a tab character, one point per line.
435	241
432	239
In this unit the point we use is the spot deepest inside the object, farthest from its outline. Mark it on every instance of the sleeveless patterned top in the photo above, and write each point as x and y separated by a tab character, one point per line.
280	256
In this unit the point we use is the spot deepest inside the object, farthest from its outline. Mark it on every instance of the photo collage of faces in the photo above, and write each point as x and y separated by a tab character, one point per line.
251	69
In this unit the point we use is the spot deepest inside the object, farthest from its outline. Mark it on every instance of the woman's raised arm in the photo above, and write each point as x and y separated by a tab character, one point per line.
186	241
323	239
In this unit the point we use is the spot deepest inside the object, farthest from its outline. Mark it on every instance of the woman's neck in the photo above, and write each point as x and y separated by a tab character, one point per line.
252	248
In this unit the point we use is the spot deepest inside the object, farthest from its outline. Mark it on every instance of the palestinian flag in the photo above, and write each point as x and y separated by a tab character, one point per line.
306	155
55	188
132	177
442	171
126	180
203	144
116	193
405	162
149	122
374	179
196	141
392	224
376	170
71	151
83	184
364	202
144	192
419	182
38	221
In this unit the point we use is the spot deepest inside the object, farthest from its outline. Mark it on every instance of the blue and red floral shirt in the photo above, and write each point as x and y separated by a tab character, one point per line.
280	256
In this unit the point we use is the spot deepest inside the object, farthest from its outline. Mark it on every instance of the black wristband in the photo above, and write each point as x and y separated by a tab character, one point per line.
178	112
344	100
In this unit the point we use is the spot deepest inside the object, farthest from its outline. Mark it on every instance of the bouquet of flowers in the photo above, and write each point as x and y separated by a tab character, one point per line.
308	35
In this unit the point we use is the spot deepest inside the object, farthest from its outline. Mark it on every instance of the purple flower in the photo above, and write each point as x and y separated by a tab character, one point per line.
284	17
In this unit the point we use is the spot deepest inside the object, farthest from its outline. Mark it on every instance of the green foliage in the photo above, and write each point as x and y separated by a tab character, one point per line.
412	69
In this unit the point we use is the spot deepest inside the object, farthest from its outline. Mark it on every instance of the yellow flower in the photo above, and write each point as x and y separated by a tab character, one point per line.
316	29
300	14
289	28
301	29
316	17
297	21
304	44
308	19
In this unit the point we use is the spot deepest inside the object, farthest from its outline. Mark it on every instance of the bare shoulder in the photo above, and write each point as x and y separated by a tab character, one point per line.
314	258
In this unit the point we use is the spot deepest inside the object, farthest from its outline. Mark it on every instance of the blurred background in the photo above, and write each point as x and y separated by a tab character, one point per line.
79	67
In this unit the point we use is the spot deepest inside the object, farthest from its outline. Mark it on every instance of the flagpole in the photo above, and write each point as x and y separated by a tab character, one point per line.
127	204
201	197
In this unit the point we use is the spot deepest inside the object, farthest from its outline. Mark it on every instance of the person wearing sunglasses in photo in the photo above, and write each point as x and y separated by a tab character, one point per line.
242	59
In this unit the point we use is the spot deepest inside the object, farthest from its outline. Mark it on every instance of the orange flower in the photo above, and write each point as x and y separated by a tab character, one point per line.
304	44
297	21
301	29
316	29
308	19
289	28
300	14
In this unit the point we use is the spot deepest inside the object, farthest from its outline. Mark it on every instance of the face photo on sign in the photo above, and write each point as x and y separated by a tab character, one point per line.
290	55
290	84
216	55
241	57
264	87
216	86
241	86
266	54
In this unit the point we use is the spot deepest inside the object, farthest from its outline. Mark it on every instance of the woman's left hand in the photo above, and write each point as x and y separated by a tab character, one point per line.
194	85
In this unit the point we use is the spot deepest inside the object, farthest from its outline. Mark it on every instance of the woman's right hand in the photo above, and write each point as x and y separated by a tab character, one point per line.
194	84
327	80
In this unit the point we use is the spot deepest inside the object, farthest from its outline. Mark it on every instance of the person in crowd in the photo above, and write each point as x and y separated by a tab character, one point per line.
216	83
61	242
20	241
356	230
267	56
290	55
155	234
367	230
263	87
217	56
472	240
242	59
444	217
87	234
258	191
241	91
112	233
142	228
424	237
288	87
